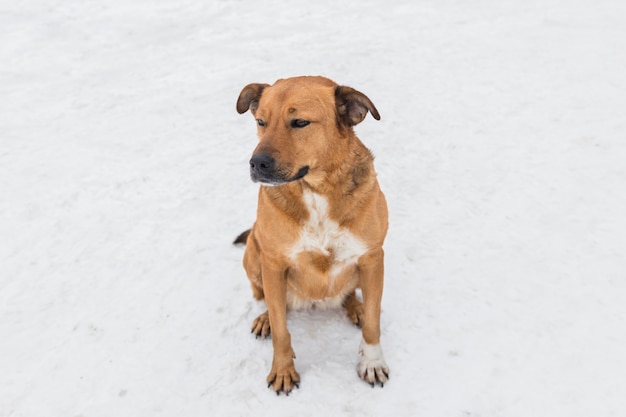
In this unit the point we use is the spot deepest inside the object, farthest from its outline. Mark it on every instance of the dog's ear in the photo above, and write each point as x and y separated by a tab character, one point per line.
249	97
352	105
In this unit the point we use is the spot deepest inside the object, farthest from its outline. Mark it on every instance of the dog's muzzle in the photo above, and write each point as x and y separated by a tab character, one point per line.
263	169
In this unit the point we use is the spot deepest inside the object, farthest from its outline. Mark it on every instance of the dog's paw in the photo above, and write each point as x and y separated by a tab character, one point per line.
283	380
261	326
372	368
355	310
356	314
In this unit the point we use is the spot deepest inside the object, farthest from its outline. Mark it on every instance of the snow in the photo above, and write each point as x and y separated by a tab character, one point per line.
124	179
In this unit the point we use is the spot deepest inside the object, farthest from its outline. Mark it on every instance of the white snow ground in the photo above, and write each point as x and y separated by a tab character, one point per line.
124	179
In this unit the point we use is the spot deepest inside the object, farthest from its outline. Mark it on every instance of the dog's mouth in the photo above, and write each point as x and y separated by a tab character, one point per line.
264	168
277	177
301	173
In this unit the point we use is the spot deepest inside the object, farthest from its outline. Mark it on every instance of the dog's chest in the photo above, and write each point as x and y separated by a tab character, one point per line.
329	246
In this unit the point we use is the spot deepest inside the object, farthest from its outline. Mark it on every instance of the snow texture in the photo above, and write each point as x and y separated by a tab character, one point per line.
124	179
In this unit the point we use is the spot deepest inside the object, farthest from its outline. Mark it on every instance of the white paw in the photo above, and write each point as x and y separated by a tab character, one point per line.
372	368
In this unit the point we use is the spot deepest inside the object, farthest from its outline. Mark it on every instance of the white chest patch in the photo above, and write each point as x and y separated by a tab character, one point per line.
322	235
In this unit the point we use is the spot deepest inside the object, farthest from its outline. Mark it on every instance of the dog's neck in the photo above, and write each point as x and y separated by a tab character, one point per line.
345	178
344	186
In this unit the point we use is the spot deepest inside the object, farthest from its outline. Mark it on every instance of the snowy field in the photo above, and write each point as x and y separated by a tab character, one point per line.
124	179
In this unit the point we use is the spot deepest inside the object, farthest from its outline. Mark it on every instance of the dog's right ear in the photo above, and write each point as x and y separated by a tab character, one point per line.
249	97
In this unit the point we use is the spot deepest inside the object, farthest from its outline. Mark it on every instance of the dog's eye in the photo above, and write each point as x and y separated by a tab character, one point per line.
299	123
260	122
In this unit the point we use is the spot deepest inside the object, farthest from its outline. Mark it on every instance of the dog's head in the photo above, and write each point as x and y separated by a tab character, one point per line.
301	123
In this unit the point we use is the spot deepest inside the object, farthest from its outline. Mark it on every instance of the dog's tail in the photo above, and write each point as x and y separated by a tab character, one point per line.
242	238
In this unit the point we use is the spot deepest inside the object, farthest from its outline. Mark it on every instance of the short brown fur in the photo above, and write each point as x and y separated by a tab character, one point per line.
322	163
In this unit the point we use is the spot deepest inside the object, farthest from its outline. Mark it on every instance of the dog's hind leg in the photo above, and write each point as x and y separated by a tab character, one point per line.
354	308
252	263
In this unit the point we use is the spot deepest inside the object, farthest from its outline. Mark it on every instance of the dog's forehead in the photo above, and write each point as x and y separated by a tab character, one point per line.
306	82
296	94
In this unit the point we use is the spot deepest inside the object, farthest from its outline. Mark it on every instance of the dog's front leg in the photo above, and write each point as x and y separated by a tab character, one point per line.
372	367
283	376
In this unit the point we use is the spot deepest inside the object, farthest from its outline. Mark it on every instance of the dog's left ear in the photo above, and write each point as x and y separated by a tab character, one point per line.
249	97
352	105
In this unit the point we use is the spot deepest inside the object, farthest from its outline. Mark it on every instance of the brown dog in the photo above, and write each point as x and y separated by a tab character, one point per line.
321	216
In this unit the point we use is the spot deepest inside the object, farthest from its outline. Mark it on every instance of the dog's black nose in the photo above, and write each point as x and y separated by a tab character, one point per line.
262	163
